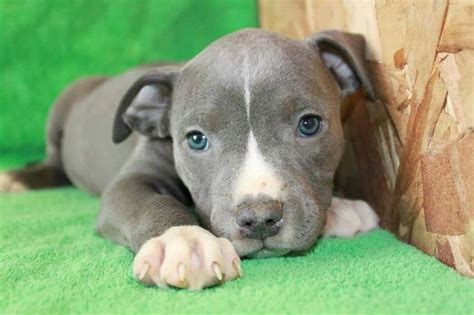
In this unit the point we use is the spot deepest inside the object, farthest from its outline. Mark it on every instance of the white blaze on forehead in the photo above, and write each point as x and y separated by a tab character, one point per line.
246	76
256	176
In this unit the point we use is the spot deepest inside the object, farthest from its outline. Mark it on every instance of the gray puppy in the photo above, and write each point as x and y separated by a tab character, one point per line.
247	135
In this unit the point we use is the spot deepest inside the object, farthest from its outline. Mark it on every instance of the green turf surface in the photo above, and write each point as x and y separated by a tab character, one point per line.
51	260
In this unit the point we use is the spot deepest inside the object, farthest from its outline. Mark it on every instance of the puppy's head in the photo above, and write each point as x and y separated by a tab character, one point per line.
256	131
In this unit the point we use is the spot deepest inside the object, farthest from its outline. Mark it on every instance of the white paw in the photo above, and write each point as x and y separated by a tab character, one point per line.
346	217
187	257
8	184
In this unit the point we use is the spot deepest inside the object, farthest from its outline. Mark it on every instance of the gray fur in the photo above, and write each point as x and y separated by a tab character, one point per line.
150	179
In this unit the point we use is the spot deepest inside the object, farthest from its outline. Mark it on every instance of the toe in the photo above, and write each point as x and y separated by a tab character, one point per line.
177	270
342	220
232	268
148	261
368	218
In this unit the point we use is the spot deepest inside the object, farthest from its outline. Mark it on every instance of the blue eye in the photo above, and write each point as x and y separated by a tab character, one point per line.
197	141
309	125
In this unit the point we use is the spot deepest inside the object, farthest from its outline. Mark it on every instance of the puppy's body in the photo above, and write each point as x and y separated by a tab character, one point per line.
93	162
90	159
257	182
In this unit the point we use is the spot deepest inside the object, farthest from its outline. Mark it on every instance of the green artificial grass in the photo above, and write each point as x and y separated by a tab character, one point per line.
51	260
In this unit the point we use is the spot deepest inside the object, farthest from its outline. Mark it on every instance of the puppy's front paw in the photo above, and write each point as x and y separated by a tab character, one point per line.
187	257
346	217
9	184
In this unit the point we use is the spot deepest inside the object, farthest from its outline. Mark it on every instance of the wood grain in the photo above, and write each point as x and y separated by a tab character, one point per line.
415	144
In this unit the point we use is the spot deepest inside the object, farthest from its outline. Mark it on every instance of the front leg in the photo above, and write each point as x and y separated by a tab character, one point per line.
346	218
172	250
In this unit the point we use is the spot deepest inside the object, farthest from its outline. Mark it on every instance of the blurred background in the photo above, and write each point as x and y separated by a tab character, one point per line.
47	44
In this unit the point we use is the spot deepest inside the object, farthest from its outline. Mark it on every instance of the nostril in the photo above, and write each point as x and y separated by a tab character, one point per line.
247	224
246	227
270	222
246	218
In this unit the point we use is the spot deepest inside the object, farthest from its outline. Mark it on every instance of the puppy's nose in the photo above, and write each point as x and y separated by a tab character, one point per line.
259	219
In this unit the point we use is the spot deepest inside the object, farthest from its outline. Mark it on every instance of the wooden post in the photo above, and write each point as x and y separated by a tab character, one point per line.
410	153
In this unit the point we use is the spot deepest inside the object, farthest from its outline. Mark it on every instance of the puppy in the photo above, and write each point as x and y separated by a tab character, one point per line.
233	154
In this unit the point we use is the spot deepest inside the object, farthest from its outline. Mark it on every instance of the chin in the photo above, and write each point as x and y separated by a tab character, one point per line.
254	248
266	253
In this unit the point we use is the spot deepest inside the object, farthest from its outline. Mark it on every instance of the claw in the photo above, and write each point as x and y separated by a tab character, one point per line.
181	272
145	268
217	271
236	265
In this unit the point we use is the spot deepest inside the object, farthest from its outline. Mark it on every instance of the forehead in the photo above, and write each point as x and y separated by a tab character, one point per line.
251	67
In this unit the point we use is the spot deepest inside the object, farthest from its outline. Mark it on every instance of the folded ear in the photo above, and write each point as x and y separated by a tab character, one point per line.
145	106
344	55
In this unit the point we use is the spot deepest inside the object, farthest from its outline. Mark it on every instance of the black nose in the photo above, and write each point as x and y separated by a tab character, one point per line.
259	219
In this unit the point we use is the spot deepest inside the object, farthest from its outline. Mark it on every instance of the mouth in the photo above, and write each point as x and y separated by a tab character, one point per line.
253	248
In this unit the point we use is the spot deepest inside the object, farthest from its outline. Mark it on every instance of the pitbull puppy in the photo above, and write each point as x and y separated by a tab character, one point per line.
247	135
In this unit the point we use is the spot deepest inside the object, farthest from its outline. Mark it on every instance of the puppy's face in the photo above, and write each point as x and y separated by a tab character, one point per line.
257	138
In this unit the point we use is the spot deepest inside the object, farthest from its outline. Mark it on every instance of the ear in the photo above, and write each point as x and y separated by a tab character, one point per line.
145	106
344	55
